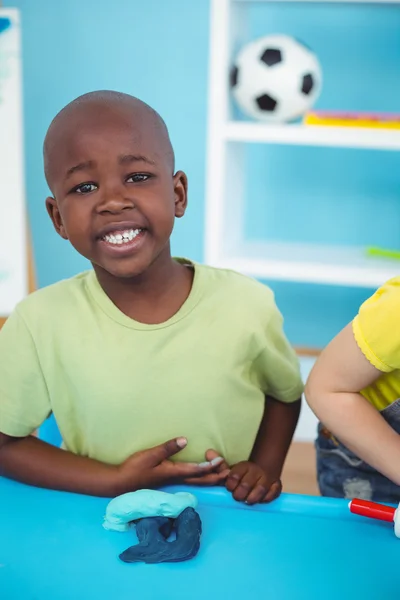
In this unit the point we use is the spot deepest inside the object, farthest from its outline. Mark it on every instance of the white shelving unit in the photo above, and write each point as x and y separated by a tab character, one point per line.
224	244
309	263
312	135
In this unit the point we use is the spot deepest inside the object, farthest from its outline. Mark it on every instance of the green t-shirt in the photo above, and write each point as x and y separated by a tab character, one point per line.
116	386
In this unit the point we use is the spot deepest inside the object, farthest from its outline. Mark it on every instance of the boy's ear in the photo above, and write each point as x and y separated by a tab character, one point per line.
55	216
181	191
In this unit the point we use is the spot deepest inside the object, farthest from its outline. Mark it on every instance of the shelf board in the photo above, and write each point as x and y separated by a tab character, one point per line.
313	135
321	1
310	263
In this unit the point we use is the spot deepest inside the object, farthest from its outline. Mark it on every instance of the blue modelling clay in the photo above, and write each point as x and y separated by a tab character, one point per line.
145	503
153	546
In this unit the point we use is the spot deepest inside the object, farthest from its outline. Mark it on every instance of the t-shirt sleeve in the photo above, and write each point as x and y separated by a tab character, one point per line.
277	366
376	327
24	401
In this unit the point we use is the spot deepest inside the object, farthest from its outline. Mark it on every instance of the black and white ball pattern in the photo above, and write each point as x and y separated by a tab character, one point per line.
276	79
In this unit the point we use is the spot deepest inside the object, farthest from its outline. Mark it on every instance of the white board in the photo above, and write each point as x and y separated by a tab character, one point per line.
13	230
306	430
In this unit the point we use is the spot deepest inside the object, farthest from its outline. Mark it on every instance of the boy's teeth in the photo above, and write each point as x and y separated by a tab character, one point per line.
122	237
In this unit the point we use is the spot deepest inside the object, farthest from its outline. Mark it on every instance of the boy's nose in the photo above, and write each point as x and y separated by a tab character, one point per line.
114	203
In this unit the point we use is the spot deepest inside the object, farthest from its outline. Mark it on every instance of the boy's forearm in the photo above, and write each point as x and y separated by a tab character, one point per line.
275	434
34	462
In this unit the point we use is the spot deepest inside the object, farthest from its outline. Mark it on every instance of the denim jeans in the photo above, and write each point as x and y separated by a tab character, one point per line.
341	474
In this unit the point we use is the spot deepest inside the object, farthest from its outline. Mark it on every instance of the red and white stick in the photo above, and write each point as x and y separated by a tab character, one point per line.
373	510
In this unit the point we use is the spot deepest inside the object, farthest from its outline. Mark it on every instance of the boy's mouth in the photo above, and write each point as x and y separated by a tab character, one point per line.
118	238
123	242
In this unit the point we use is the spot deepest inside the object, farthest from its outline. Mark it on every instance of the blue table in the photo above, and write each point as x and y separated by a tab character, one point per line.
53	547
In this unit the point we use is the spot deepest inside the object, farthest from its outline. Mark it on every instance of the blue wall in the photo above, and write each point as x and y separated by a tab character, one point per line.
158	50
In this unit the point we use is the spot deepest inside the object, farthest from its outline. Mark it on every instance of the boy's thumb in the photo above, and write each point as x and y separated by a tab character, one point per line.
167	449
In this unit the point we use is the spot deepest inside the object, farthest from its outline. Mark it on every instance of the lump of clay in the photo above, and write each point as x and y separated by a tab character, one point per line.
153	546
145	503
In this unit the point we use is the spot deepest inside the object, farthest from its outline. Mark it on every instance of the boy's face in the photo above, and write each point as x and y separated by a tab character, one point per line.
115	194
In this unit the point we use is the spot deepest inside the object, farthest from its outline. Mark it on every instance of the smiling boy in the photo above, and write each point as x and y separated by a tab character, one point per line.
143	348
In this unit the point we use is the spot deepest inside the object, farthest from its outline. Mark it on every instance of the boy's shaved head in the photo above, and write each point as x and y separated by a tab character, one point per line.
109	164
96	109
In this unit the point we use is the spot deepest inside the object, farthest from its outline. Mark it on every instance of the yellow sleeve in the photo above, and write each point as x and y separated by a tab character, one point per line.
277	366
24	401
376	328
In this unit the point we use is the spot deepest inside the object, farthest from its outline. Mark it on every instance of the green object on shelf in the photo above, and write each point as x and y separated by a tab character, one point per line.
383	253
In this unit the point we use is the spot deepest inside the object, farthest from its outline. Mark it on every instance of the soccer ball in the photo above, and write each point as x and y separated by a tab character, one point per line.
276	79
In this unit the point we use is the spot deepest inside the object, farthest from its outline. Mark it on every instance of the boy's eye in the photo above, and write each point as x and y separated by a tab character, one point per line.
137	178
85	188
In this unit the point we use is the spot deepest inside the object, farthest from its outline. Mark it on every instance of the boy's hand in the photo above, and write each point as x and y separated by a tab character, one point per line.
251	484
152	468
219	474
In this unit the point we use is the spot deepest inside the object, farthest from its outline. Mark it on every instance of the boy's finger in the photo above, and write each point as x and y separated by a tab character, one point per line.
208	480
216	462
257	494
273	492
212	455
246	485
235	476
164	451
181	470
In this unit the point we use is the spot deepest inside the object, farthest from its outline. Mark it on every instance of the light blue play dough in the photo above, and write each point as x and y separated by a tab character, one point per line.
145	503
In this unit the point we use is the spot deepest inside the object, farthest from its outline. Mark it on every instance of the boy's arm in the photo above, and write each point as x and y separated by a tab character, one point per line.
37	463
333	393
276	369
275	435
258	480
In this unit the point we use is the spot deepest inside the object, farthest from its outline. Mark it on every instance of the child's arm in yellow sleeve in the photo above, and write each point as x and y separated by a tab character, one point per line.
333	393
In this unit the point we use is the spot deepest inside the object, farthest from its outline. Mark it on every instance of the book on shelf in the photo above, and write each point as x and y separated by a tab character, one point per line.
353	119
